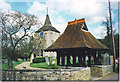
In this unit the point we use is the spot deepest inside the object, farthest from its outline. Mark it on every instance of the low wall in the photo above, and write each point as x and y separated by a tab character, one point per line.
101	70
81	73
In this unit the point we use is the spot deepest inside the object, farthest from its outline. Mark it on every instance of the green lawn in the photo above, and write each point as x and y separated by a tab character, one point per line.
66	61
17	63
38	65
44	65
5	66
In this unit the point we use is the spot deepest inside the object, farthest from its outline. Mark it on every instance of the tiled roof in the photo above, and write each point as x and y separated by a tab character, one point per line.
76	35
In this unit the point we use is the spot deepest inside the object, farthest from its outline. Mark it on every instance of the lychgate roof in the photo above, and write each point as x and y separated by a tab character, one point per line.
47	26
77	35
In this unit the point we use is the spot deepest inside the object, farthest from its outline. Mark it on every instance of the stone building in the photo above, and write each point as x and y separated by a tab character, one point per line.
43	38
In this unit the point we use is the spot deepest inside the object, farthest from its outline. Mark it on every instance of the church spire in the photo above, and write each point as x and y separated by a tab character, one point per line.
47	25
47	20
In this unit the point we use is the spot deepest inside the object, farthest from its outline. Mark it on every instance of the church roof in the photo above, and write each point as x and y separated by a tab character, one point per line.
47	26
76	35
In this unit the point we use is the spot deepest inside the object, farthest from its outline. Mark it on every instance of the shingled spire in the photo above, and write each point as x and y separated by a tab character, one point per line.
47	21
47	25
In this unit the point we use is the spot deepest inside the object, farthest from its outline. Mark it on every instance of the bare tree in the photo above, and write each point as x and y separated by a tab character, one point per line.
15	28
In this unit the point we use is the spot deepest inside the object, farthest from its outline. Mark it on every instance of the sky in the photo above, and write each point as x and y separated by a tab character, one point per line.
63	11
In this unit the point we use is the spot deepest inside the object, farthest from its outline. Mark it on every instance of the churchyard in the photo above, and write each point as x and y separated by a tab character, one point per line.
45	54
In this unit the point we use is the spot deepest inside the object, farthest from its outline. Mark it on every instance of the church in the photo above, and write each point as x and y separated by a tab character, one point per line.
43	38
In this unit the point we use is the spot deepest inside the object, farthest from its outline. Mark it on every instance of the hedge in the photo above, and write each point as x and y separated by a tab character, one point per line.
39	60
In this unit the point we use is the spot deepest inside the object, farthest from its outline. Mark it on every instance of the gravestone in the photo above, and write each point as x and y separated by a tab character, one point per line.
107	60
111	60
102	60
47	60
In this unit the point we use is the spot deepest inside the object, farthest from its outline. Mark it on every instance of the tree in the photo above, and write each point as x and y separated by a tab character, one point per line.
15	28
112	39
26	48
107	39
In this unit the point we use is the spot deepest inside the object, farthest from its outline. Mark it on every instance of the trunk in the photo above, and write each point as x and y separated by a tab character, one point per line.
10	64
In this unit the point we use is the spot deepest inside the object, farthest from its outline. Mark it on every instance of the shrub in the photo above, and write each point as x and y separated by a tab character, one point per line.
39	60
53	65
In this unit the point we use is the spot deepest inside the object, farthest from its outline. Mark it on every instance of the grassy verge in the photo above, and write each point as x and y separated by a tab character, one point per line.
17	63
38	65
5	66
44	65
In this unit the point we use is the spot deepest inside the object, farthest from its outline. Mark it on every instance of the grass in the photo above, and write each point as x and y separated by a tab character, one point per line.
17	63
92	61
5	66
38	65
44	65
66	61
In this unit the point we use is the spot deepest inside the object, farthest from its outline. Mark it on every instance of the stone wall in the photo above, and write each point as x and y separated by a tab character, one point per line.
81	73
101	70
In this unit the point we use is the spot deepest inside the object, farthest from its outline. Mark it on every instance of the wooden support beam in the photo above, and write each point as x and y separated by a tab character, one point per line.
68	60
94	56
89	60
99	57
74	60
58	60
63	60
84	58
79	59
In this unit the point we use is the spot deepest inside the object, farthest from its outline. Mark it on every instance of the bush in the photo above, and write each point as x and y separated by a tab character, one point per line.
39	60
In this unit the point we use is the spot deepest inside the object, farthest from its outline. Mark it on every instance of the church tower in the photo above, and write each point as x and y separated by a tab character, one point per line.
46	36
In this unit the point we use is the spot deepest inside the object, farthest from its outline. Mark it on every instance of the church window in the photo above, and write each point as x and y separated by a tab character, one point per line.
45	36
35	35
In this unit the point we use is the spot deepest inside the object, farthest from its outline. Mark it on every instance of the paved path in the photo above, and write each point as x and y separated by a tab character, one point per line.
113	76
25	64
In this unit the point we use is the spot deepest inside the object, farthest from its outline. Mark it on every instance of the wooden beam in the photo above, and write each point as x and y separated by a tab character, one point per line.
74	60
84	58
68	60
94	56
58	60
89	60
113	42
99	57
63	60
79	59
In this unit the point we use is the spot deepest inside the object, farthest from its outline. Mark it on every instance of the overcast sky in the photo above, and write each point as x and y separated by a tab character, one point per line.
63	11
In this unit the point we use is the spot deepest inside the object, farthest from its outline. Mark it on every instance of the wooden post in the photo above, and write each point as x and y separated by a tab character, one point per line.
68	60
94	56
99	57
58	60
113	43
79	59
63	60
74	60
84	58
89	60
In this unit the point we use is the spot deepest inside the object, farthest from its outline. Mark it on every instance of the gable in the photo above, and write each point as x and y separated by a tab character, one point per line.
84	27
